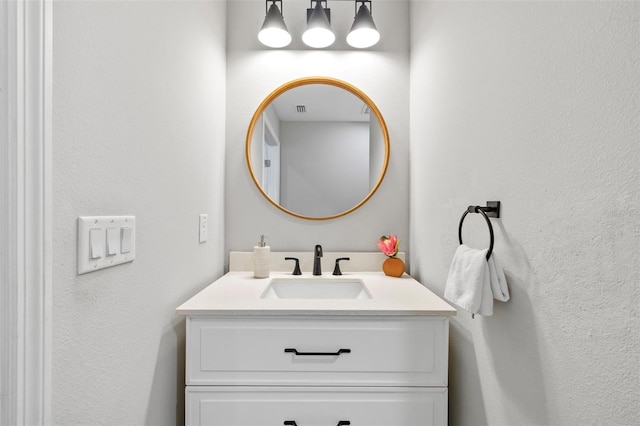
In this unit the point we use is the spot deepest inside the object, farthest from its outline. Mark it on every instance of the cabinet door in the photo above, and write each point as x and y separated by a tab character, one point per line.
397	351
262	406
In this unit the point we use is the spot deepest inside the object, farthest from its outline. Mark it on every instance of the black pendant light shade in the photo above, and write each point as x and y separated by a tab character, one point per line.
274	32
363	32
318	33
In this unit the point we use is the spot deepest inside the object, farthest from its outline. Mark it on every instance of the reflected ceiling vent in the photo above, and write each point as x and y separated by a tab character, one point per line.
301	108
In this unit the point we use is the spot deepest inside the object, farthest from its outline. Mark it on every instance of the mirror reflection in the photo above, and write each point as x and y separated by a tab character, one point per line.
317	148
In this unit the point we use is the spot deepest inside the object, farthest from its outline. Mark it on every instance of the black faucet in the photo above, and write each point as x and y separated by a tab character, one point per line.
317	254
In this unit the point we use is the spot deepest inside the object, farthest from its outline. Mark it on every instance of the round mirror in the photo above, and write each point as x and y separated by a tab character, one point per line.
317	148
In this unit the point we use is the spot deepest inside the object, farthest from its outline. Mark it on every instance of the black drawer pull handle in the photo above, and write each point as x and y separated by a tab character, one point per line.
340	351
293	423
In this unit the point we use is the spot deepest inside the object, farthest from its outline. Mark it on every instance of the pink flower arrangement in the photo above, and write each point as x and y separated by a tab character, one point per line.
389	245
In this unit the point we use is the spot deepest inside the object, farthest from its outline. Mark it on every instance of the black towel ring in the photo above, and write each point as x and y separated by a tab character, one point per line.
493	209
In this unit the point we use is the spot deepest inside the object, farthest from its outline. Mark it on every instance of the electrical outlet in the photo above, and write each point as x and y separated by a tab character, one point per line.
203	227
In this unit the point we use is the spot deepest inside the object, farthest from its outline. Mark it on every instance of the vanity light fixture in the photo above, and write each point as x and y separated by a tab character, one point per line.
274	32
318	33
363	32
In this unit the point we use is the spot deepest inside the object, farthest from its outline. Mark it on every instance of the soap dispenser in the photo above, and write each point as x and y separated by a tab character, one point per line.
261	258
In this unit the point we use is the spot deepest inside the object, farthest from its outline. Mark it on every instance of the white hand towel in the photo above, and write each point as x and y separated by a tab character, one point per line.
466	282
474	282
497	279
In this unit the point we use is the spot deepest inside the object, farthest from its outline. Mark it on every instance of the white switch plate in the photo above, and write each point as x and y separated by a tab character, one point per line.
102	223
204	225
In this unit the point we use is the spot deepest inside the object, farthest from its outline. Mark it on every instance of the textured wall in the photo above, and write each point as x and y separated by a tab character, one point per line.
534	104
254	71
139	115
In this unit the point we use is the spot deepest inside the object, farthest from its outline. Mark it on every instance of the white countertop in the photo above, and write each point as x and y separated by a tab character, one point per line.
239	293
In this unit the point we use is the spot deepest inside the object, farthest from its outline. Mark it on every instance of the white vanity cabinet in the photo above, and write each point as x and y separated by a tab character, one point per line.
257	361
316	406
316	370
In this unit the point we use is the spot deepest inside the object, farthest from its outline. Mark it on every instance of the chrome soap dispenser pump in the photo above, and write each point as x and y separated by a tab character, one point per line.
261	259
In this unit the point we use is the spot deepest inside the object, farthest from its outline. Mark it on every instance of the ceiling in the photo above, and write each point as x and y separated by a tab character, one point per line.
321	102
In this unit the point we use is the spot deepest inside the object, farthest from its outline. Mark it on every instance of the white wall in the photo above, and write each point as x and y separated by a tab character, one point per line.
139	115
534	104
325	166
255	71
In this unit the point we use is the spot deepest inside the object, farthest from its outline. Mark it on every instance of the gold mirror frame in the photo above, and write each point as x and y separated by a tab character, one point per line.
332	82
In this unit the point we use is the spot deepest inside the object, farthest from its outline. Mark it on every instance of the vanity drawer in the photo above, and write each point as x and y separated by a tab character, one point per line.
380	351
259	406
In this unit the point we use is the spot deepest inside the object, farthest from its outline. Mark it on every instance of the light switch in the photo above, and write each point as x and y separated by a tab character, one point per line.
125	246
96	243
113	241
203	227
105	241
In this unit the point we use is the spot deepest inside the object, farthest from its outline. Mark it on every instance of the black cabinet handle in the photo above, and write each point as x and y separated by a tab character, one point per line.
293	423
339	352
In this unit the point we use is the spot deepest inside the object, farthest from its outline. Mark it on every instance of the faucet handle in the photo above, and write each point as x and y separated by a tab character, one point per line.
336	270
296	269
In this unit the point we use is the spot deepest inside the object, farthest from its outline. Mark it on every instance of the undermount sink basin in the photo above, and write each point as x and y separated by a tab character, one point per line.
316	288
